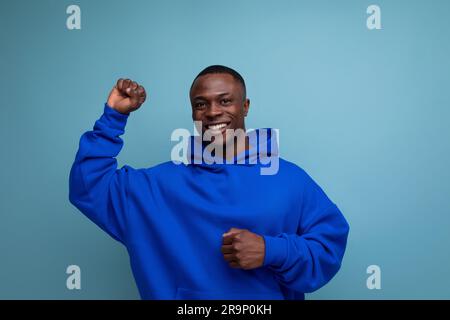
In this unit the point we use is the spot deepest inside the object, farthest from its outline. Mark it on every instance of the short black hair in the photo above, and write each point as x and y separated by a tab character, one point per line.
222	69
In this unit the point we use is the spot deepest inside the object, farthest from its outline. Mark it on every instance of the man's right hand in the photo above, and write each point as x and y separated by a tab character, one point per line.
126	96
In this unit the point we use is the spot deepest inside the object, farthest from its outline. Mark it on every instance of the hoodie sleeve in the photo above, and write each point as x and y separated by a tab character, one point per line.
96	187
308	259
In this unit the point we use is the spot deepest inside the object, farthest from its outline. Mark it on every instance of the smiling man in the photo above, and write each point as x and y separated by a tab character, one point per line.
209	230
219	103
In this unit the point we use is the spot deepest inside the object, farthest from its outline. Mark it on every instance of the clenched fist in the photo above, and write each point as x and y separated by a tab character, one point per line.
243	249
126	96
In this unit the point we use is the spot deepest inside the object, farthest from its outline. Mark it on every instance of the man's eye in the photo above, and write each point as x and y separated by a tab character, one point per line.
199	105
225	101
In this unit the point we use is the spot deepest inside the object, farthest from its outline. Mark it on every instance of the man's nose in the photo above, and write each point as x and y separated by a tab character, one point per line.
213	110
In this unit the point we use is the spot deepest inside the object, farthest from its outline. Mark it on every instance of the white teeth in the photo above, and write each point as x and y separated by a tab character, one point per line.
217	126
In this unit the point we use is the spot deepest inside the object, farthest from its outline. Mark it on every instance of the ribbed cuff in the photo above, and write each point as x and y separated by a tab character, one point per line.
276	251
116	120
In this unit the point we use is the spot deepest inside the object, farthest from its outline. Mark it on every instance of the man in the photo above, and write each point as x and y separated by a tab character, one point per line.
206	230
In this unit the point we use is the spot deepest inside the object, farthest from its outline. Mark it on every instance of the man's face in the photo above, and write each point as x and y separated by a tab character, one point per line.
218	101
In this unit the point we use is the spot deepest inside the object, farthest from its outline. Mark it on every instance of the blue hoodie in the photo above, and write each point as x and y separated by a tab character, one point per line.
171	218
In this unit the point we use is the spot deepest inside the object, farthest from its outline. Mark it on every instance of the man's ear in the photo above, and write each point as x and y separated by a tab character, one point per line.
246	106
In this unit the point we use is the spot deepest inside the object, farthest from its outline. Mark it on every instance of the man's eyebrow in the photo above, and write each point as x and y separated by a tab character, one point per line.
217	95
223	94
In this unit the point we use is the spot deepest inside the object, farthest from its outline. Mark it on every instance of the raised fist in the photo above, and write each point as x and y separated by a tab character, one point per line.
126	96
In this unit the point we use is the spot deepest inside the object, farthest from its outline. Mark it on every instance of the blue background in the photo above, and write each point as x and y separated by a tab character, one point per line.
364	112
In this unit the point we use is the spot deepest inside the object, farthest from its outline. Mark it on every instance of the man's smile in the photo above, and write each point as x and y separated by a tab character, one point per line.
217	127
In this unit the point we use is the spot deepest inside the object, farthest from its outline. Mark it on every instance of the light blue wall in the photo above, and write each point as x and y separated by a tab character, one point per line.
365	113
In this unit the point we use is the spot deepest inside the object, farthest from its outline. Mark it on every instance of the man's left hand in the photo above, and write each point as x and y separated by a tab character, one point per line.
243	249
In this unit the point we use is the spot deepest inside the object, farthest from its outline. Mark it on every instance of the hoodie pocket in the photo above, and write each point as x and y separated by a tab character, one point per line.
188	294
